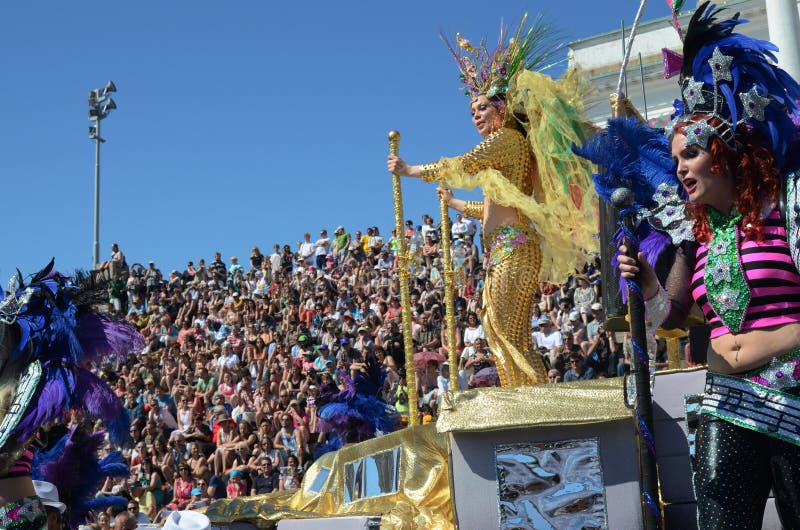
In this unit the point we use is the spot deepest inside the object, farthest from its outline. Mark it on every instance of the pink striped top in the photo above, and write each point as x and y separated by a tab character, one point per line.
769	272
22	467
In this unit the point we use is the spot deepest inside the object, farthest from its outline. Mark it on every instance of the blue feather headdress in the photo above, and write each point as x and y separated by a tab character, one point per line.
732	78
55	330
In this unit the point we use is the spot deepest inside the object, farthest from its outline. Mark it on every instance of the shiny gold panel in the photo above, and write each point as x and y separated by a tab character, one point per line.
489	409
423	499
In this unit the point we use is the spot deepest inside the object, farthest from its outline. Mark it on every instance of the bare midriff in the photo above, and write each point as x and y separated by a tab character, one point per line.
496	215
15	488
731	354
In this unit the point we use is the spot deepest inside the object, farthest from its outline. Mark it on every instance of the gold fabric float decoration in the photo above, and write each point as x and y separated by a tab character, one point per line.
496	408
422	500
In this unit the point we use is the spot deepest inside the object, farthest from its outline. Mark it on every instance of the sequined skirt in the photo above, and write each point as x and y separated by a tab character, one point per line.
511	282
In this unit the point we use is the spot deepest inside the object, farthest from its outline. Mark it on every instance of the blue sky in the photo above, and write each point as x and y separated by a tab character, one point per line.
240	123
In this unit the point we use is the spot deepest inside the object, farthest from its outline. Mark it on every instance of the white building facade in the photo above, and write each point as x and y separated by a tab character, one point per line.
600	56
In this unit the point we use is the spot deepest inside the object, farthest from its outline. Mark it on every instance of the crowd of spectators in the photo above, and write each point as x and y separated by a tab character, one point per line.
223	396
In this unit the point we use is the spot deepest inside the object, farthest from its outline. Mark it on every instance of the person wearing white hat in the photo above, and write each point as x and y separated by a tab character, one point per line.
575	327
596	323
548	341
443	379
548	338
442	383
48	494
187	520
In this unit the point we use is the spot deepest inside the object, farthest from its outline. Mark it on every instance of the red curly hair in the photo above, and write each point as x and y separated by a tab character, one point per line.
756	180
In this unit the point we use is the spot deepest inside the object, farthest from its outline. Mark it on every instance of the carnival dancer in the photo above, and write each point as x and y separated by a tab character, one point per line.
48	330
732	144
538	210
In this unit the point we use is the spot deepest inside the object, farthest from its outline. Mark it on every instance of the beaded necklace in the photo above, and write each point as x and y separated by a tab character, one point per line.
728	292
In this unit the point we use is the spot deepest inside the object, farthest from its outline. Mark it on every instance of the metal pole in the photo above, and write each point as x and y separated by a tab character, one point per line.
405	299
644	92
623	75
626	49
96	251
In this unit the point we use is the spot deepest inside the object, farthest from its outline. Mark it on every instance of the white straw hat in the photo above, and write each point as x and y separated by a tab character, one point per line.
48	493
187	520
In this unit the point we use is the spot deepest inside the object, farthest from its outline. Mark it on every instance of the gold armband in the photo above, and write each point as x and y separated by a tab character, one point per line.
473	209
429	172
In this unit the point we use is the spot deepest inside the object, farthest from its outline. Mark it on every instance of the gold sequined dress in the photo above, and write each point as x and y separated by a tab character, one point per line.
514	258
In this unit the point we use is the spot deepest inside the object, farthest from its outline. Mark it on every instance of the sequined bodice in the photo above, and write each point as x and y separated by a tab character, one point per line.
505	150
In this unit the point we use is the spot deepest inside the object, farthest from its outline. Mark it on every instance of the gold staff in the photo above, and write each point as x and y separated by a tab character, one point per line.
402	270
449	293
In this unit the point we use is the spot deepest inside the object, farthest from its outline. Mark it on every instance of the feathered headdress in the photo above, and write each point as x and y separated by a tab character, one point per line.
733	78
488	73
49	328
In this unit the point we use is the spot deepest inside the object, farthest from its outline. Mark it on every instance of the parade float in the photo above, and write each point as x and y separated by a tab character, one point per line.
609	453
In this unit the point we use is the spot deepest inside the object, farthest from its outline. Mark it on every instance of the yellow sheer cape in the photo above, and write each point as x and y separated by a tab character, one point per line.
565	216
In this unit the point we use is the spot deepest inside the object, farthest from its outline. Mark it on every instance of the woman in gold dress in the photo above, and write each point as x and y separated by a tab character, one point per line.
537	214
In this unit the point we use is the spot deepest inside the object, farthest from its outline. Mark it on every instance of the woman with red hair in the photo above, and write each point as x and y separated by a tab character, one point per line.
743	175
742	276
732	148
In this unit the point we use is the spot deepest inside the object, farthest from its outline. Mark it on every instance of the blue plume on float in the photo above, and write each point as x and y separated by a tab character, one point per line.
99	504
634	156
630	155
46	320
334	443
73	467
113	465
61	344
102	335
372	381
339	415
45	456
51	401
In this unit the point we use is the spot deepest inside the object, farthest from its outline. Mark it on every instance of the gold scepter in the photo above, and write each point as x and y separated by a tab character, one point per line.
449	293
402	270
